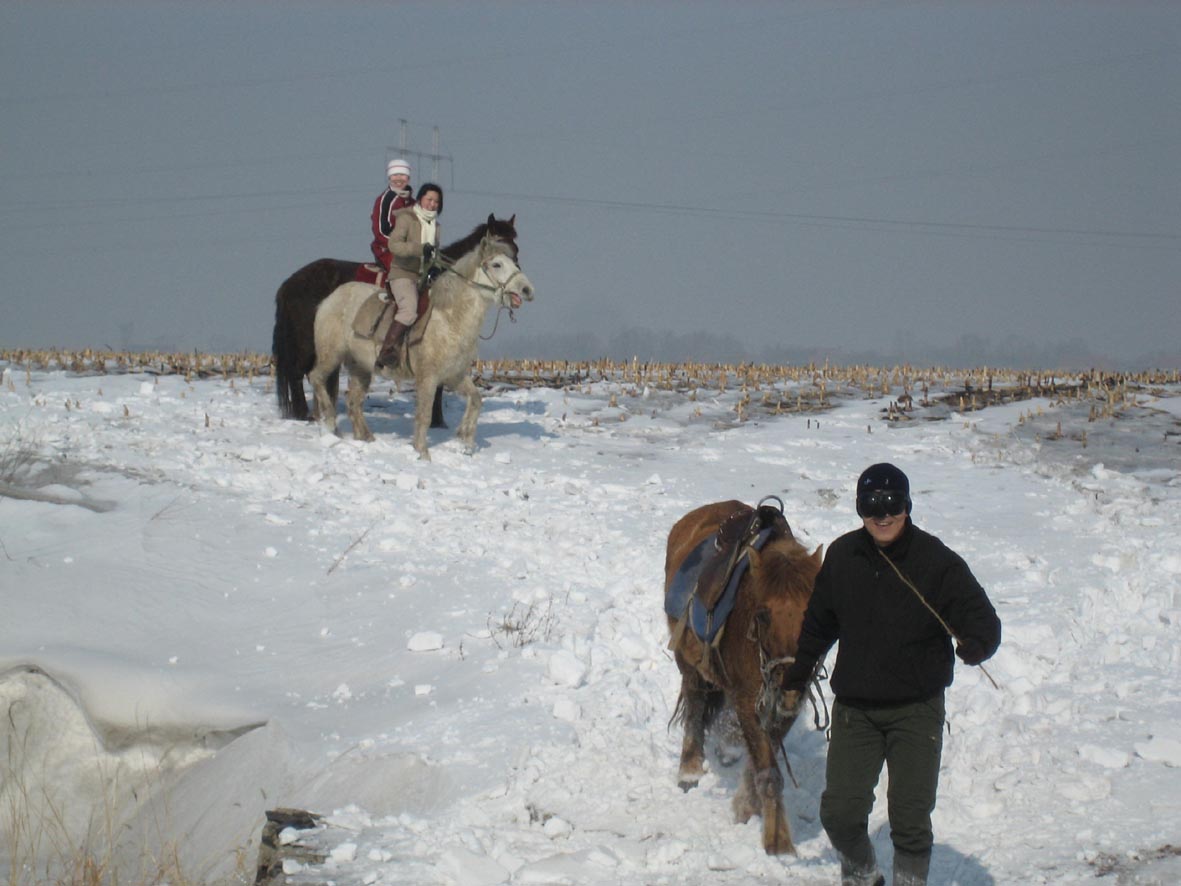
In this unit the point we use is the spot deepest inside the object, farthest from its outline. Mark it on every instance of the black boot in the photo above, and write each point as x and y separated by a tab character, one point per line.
910	869
863	872
391	349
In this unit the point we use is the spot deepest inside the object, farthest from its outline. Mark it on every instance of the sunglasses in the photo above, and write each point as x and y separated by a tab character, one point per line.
882	503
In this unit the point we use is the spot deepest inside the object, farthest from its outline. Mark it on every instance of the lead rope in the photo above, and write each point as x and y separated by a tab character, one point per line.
511	316
447	266
767	666
821	673
906	581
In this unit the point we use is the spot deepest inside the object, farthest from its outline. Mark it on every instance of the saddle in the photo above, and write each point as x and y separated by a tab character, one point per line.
376	313
370	273
704	589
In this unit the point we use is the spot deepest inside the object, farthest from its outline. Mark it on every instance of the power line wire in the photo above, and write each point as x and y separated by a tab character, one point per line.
830	219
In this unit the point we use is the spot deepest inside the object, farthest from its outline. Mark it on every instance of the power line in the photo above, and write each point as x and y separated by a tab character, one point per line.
342	195
846	220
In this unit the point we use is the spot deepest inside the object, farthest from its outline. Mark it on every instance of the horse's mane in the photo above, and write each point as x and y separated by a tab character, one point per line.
500	228
789	568
465	265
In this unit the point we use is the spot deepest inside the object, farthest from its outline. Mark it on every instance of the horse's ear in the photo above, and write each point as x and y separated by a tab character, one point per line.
491	220
512	222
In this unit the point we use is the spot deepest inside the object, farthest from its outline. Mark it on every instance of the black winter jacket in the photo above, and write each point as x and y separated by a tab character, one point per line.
892	650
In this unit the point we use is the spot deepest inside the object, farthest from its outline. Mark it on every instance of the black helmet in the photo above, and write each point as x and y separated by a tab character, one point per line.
882	490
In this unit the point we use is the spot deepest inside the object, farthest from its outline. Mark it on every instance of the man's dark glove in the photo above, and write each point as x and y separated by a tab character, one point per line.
428	252
970	651
797	677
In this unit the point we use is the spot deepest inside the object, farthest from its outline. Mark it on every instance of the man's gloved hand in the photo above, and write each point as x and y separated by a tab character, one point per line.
791	699
970	651
428	252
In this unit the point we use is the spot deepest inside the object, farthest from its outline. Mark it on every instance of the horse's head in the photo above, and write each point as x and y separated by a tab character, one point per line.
504	229
788	572
777	708
509	285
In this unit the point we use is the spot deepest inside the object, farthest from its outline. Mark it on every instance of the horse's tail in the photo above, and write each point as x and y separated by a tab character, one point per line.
293	345
285	352
712	705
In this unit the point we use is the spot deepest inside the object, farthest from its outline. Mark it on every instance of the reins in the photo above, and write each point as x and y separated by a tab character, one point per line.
906	581
767	667
495	323
447	266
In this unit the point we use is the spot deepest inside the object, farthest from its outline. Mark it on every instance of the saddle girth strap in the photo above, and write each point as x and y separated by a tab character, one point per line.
381	316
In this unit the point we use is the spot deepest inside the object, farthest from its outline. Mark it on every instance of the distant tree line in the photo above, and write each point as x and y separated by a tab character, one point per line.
967	351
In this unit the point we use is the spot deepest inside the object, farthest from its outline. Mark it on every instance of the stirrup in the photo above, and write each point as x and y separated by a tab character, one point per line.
391	359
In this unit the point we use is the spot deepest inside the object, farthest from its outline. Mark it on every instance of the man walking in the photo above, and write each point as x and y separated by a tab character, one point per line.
896	597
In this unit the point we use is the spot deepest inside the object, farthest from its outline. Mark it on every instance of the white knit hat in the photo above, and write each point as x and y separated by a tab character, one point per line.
397	167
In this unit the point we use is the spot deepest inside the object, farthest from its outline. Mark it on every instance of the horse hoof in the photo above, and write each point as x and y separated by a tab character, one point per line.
687	784
728	756
780	849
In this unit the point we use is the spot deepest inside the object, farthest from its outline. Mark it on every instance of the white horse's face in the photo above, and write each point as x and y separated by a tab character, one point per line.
511	285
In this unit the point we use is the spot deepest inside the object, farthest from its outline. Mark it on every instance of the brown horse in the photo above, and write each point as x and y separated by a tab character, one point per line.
746	661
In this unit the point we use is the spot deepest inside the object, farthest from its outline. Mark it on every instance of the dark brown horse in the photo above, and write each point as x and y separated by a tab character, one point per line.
745	662
293	345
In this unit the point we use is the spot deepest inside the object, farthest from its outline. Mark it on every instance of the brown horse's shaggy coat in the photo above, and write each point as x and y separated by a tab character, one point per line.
762	627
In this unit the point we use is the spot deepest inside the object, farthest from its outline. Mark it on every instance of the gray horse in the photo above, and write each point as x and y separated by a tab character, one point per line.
441	346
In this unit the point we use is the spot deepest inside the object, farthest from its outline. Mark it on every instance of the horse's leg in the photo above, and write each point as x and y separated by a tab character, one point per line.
359	380
437	410
332	382
424	397
762	782
467	425
331	386
325	403
744	805
691	705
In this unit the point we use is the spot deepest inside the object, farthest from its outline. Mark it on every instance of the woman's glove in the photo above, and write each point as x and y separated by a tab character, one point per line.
428	252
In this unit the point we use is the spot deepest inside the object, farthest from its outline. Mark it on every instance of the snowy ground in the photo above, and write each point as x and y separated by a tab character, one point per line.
461	664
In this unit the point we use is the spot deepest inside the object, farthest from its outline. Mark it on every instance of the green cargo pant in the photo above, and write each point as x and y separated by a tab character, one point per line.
909	740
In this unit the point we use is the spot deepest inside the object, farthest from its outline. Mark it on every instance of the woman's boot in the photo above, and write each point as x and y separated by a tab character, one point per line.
391	349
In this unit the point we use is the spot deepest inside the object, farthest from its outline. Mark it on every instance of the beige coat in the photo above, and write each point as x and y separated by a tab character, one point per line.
406	245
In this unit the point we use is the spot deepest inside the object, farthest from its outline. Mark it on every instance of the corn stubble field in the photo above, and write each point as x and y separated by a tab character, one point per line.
913	391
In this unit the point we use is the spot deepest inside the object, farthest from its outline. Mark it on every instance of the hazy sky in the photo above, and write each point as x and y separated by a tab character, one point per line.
840	175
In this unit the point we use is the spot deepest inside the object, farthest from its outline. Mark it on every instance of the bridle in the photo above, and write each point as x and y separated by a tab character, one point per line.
769	703
498	289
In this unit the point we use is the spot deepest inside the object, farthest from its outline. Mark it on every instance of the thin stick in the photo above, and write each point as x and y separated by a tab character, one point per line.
356	541
906	581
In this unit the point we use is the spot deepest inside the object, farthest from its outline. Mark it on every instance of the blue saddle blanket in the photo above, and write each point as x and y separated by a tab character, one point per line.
681	598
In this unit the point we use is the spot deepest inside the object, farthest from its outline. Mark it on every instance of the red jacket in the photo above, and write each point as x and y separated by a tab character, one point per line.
387	203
